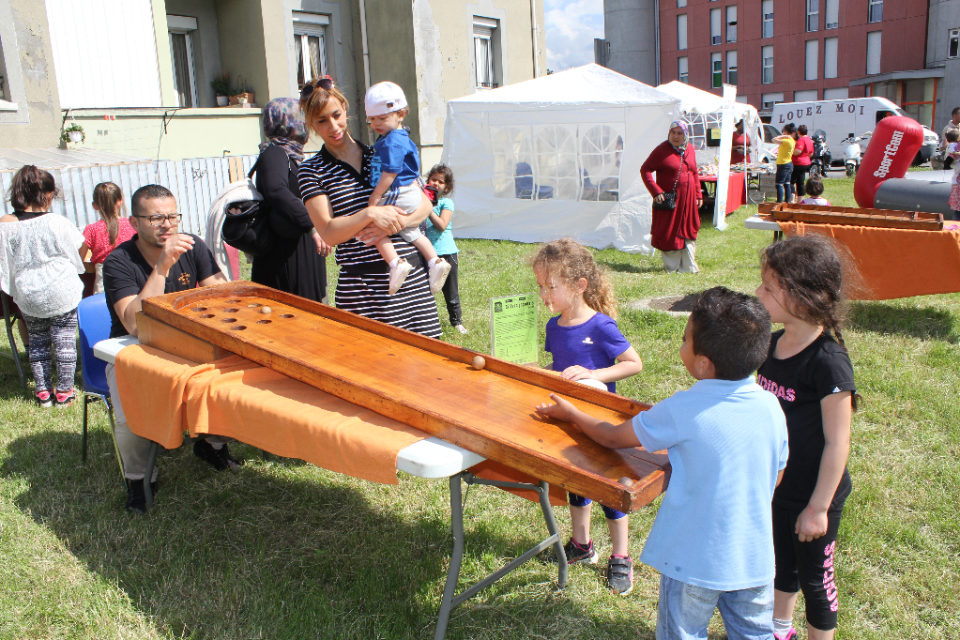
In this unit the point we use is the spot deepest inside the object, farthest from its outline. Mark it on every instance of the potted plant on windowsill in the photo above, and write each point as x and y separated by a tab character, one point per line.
73	133
243	96
222	89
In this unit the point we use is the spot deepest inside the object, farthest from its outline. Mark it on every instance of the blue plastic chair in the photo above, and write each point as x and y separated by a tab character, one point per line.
93	318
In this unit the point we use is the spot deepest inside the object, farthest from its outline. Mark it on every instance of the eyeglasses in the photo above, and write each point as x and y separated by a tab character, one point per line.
325	83
156	221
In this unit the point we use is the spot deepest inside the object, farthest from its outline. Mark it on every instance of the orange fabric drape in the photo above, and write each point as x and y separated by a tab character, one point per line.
895	263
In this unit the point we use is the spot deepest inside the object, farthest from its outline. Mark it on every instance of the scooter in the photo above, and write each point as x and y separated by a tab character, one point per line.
851	154
821	158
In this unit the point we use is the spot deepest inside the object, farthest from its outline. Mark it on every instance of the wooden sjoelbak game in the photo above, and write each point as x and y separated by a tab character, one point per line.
482	404
886	218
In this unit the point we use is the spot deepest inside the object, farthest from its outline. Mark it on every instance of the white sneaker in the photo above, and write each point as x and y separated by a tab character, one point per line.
438	274
398	275
461	328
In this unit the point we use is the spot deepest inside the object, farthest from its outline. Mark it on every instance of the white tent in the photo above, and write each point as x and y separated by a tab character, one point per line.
557	156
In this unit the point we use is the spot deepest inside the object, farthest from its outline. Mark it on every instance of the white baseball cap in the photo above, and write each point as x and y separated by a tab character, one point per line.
383	98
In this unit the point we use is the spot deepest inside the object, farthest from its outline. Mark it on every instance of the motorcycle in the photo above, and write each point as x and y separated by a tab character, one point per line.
851	154
821	158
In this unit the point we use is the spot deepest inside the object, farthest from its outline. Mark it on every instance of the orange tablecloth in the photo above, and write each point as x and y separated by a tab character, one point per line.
895	263
164	395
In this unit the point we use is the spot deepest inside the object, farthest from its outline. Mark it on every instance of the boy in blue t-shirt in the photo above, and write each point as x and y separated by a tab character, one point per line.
726	439
394	172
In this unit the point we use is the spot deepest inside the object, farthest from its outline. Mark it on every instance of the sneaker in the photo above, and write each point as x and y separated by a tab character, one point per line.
462	329
620	575
64	400
791	635
575	552
398	275
137	498
438	275
219	459
44	399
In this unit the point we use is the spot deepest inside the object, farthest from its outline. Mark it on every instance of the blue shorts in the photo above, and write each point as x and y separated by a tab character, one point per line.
685	610
580	501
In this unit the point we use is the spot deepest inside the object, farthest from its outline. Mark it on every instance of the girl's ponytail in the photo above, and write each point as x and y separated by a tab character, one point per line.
107	196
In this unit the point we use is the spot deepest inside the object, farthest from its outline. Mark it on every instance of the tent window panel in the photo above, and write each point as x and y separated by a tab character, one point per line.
557	164
513	163
601	150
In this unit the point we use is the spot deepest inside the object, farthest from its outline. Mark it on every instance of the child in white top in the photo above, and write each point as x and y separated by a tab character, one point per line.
40	263
396	169
814	188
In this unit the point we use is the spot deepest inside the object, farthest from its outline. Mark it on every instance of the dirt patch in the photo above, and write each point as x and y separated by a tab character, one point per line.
674	305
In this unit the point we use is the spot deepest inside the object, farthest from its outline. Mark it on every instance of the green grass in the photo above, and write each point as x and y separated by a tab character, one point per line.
281	549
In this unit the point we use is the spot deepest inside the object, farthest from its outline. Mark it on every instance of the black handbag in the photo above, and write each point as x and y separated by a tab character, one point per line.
669	201
246	225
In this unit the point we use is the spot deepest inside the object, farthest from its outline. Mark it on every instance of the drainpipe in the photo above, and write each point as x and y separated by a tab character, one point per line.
363	44
533	21
656	36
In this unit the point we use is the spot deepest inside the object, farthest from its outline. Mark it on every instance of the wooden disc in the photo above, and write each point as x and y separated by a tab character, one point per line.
625	481
265	310
479	362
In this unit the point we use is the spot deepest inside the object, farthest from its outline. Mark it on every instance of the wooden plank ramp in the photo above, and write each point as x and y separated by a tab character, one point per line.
422	382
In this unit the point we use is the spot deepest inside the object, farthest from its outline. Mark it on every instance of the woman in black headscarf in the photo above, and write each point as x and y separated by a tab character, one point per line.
296	262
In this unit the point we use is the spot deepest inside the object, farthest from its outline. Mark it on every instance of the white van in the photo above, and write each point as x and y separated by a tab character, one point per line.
840	118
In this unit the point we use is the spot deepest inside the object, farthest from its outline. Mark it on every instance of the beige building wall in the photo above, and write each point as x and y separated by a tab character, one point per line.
34	118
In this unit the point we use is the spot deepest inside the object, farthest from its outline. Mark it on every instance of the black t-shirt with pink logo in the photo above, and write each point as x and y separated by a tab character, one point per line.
800	382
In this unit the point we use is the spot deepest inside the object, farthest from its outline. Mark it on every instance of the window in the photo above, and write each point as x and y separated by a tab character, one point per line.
830	46
875	11
769	99
308	37
181	30
808	95
766	55
4	88
873	52
513	163
557	173
485	32
832	8
732	23
811	60
918	99
767	18
681	4
715	26
839	93
732	67
682	31
682	73
953	48
813	15
601	148
716	69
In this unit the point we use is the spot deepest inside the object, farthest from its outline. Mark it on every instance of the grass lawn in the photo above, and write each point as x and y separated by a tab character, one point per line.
281	549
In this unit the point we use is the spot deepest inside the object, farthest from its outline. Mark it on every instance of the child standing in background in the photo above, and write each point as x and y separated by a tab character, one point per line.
440	234
586	344
809	371
113	228
395	171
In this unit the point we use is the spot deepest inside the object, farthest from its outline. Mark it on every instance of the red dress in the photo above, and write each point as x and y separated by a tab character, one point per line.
98	239
671	228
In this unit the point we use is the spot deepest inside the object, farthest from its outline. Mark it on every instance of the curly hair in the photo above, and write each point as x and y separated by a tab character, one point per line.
568	261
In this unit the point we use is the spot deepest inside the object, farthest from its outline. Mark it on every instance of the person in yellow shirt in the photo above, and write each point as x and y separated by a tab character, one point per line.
788	141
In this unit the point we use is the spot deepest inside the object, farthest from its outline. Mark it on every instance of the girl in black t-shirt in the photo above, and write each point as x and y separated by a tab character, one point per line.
809	371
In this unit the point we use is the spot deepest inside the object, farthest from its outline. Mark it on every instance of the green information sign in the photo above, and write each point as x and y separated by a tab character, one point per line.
513	328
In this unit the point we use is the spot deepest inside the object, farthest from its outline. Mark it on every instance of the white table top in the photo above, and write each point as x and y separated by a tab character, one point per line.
756	222
429	458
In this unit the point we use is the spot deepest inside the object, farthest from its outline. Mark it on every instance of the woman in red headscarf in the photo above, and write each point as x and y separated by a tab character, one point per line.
674	230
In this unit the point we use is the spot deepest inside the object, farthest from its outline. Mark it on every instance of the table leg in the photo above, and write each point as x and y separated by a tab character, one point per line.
449	600
148	476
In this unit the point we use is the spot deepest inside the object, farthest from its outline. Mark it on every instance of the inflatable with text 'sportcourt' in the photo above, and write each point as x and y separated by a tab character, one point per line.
894	144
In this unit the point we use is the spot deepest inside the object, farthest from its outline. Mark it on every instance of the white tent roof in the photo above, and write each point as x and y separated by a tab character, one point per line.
557	156
693	100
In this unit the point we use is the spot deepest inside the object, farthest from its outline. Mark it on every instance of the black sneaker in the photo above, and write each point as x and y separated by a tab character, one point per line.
136	497
575	553
620	575
219	459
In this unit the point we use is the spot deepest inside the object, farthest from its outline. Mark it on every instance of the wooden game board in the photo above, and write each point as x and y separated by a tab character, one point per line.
853	216
422	382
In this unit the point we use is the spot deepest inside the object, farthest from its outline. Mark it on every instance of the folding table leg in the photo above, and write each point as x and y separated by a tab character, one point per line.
151	461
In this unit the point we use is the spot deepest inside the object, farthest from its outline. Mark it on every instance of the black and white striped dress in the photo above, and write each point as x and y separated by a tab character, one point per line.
364	275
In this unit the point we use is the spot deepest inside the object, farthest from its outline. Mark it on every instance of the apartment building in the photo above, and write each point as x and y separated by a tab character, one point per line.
137	74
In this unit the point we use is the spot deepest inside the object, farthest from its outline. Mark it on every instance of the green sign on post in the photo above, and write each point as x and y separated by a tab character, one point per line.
513	328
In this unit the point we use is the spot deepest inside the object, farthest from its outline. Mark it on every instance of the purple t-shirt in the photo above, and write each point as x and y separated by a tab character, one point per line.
595	344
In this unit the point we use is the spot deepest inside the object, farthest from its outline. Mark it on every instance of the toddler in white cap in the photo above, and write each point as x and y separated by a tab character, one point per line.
395	169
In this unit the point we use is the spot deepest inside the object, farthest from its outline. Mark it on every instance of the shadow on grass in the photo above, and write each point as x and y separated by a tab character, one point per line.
926	323
626	267
259	552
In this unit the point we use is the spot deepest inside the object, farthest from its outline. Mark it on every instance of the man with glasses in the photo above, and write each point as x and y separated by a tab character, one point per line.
158	260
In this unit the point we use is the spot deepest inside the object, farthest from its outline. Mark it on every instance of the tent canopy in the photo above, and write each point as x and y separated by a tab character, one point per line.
693	100
557	156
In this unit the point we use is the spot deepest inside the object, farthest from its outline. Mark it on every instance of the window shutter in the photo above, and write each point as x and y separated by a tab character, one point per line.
873	52
811	58
830	57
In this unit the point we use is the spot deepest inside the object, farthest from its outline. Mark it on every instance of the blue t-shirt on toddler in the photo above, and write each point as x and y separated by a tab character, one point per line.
726	441
595	344
395	153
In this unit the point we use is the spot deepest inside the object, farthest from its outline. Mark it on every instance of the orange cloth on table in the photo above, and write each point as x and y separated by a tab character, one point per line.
261	407
895	263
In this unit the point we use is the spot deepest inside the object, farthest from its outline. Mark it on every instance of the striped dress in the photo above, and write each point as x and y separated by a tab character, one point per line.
364	275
